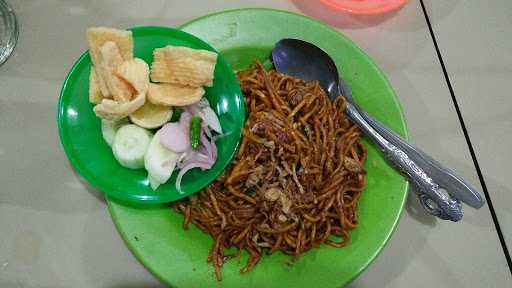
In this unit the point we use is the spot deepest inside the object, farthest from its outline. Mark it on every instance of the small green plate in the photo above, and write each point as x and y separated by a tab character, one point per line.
178	257
80	129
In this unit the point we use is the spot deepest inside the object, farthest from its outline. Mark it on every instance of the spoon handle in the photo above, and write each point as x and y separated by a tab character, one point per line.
454	184
447	179
433	199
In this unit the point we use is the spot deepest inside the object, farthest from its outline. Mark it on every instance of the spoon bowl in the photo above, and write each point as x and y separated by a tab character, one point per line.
306	61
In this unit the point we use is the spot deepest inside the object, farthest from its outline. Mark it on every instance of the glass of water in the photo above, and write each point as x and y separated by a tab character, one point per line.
8	31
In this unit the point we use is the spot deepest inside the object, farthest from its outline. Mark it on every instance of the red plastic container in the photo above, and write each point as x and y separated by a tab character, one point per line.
364	7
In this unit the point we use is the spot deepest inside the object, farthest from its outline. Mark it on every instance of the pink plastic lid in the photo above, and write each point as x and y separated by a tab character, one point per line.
364	6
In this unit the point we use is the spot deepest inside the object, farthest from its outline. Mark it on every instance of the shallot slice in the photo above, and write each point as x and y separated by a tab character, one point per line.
174	137
189	166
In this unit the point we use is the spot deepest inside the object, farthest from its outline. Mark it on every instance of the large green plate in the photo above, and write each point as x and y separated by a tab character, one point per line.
178	257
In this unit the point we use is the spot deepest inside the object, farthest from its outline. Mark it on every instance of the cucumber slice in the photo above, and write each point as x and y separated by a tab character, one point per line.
130	145
159	162
110	127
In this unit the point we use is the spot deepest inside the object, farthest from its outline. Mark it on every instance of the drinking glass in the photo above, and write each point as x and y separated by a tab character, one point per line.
8	31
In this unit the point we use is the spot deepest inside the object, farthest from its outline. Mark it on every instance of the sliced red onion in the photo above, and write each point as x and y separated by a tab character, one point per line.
206	144
195	108
203	110
191	110
173	137
180	163
194	155
202	150
210	144
207	131
214	150
189	166
202	103
206	155
203	158
185	119
209	117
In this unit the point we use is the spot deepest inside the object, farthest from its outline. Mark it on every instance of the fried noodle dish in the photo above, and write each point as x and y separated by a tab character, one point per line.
295	181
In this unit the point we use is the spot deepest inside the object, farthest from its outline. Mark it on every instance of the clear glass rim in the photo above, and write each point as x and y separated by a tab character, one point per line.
9	33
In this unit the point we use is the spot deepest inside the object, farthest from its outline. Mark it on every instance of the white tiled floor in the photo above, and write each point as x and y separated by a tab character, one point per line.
50	221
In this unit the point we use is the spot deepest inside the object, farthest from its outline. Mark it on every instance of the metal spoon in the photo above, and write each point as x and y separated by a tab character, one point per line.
456	185
307	61
8	31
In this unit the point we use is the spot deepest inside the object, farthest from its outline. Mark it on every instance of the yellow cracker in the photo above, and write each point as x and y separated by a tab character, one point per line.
183	65
186	52
102	85
95	95
111	110
136	73
174	94
112	59
97	36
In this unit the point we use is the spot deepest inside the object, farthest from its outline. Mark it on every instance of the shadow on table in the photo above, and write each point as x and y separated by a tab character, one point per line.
93	191
416	210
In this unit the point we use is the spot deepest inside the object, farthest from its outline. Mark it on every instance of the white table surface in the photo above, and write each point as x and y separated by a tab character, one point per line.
57	232
480	74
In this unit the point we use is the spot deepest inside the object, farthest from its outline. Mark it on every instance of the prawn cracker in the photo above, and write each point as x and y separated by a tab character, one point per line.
97	36
111	60
135	72
184	66
174	94
95	95
112	110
